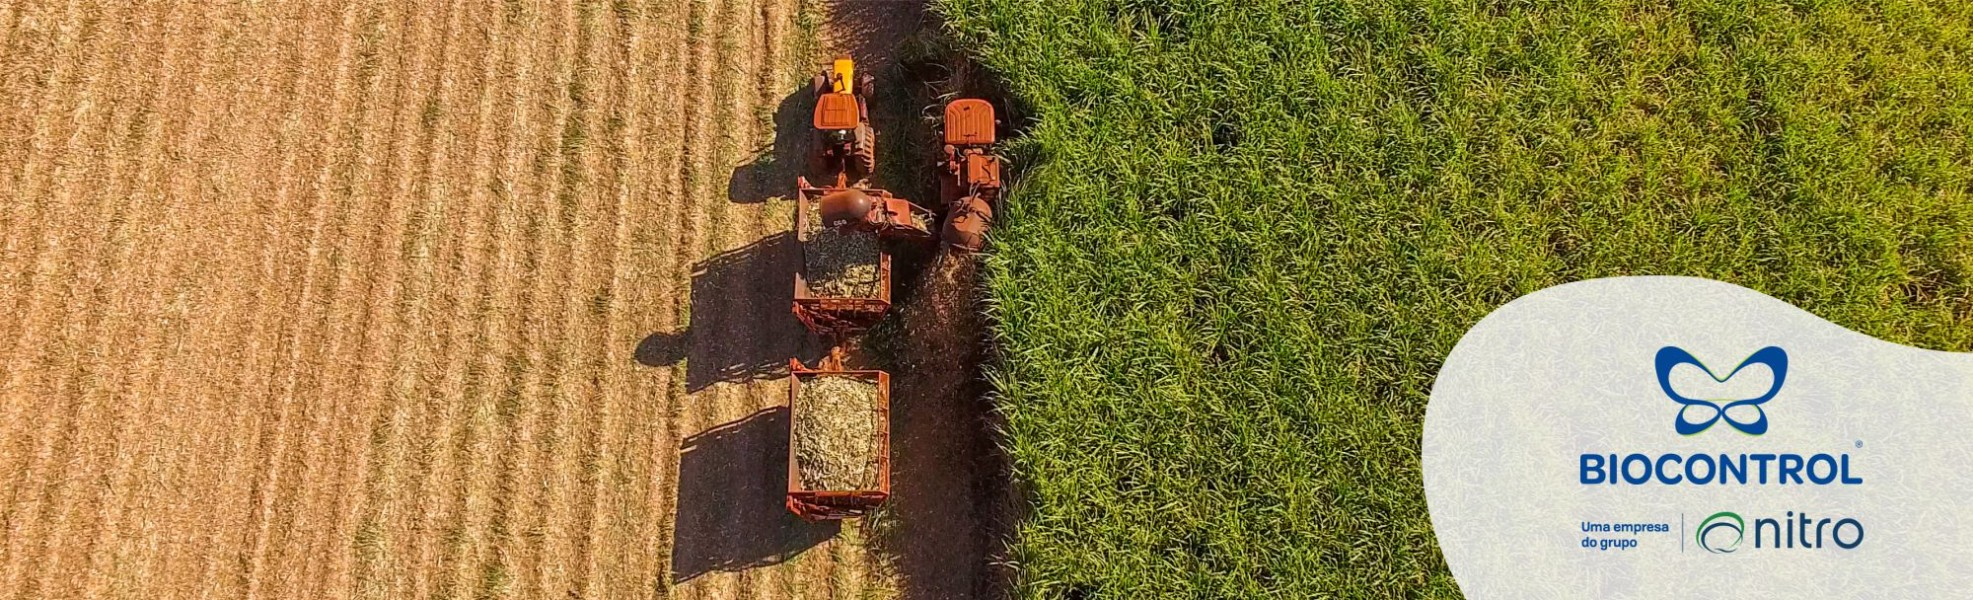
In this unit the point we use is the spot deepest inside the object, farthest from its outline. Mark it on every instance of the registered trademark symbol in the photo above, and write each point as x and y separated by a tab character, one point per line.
1859	443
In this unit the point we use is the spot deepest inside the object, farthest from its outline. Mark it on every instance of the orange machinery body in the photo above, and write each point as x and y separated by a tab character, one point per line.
839	504
972	183
836	317
969	133
973	171
838	111
969	122
844	138
967	220
902	220
889	217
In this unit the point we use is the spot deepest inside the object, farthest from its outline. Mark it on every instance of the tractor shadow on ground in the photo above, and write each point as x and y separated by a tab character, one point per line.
729	341
662	349
774	168
732	480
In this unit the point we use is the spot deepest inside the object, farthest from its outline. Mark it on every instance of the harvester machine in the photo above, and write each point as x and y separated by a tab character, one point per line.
872	211
844	138
970	183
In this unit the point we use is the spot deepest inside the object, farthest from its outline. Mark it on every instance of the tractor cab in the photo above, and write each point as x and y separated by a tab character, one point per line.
844	139
969	122
838	111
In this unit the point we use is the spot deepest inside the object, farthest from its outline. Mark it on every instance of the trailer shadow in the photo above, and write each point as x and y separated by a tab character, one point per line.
730	342
731	483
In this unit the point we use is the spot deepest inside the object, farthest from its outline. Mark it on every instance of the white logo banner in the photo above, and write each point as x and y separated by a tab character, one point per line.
1671	437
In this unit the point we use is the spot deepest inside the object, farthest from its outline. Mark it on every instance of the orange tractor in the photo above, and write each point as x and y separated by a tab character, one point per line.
842	120
970	182
847	207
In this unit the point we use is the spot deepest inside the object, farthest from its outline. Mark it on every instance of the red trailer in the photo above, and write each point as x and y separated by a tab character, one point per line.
839	504
829	317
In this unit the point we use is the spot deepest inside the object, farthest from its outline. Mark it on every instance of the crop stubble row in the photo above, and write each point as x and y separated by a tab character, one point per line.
340	298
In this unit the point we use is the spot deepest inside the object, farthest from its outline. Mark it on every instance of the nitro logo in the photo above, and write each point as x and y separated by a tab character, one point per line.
1721	533
1699	414
1724	532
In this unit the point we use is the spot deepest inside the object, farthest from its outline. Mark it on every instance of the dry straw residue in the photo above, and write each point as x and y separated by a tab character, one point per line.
835	421
839	264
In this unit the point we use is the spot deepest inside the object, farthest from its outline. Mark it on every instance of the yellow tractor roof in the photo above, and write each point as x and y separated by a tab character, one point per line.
842	74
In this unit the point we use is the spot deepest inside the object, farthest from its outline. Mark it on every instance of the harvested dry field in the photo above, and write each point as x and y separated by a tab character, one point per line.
417	300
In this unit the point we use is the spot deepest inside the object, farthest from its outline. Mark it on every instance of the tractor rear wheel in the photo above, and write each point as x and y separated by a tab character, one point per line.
864	157
819	85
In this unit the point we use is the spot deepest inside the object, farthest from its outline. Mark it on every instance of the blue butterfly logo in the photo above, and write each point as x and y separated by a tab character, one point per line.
1710	412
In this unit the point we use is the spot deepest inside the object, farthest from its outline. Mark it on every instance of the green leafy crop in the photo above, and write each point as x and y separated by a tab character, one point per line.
1245	234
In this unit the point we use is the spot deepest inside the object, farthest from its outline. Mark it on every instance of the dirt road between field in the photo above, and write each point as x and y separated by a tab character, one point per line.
378	299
